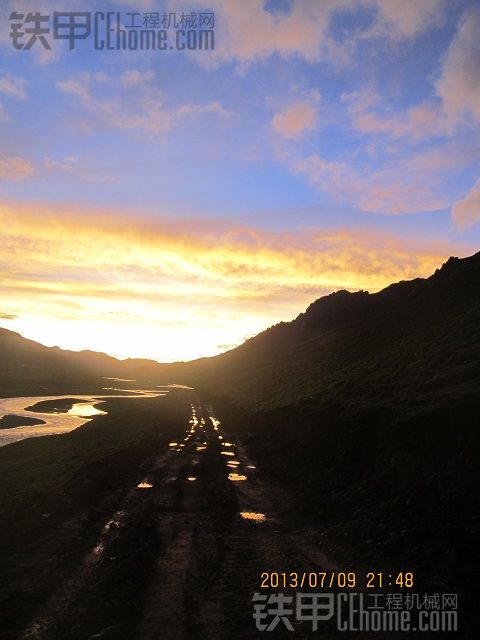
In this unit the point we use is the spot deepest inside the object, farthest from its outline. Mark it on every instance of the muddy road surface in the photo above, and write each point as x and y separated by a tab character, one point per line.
182	556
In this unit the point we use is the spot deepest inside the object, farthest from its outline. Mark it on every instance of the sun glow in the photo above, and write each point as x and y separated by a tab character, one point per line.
132	287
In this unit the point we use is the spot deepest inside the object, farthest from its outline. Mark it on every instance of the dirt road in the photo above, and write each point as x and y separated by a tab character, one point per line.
183	556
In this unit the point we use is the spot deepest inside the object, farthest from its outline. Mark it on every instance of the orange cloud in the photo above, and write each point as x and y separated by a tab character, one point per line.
458	84
294	121
467	211
14	168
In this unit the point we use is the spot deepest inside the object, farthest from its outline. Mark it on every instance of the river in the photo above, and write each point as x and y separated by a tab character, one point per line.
61	421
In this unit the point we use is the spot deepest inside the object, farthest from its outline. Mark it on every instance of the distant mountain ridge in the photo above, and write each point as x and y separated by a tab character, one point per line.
323	349
28	367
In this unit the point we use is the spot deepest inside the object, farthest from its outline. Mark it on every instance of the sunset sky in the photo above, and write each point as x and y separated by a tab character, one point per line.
170	204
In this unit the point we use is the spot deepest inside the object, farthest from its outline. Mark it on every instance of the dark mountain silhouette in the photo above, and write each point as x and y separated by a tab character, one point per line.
27	367
408	347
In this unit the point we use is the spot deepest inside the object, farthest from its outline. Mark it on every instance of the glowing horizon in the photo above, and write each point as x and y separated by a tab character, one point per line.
129	287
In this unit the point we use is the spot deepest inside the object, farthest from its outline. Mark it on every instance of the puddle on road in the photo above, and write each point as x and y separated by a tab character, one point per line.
115	522
98	549
236	477
252	515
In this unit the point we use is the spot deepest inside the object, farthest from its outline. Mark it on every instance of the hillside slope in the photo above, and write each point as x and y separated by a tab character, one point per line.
413	344
30	368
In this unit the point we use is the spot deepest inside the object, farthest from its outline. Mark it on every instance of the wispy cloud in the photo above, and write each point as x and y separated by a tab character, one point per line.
140	108
67	164
137	112
401	186
417	123
14	168
13	87
200	109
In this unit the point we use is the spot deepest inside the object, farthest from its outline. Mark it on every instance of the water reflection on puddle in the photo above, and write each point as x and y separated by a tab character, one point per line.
144	485
236	477
252	515
85	410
